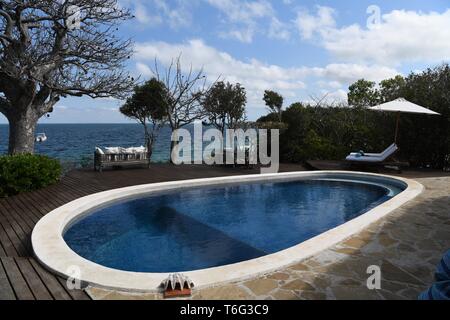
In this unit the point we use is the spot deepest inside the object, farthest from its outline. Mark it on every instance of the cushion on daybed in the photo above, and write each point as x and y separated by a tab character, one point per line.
120	150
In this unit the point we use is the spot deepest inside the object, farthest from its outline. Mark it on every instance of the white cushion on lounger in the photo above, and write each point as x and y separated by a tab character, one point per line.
392	147
140	149
113	150
374	158
364	159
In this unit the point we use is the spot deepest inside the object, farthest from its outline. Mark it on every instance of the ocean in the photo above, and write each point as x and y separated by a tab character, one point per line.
75	143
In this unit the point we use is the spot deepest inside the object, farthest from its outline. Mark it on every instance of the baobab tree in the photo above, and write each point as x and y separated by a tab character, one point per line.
51	49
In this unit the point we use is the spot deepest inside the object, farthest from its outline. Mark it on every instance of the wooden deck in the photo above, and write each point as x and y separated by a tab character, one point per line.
21	276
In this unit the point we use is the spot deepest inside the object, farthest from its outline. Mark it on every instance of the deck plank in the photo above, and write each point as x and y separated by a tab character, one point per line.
16	279
6	291
33	280
75	294
8	246
23	277
57	291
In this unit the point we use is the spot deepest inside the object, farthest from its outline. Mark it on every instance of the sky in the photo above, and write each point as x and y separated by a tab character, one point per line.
306	50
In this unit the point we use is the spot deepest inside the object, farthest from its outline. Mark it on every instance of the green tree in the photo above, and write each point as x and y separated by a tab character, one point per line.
225	105
363	93
427	142
148	106
392	89
274	101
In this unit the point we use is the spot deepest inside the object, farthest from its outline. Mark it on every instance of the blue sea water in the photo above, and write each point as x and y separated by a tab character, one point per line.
76	142
207	227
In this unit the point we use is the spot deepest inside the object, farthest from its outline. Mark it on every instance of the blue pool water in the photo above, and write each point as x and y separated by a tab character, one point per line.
207	227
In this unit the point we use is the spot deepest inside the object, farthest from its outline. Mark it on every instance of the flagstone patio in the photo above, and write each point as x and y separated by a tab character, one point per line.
407	245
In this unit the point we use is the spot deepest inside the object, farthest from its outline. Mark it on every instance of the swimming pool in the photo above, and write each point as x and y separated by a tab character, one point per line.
208	227
214	230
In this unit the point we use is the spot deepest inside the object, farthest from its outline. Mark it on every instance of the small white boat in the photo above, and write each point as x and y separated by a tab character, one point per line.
41	137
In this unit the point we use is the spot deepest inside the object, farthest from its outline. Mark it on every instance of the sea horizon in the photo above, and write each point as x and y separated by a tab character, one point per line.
75	143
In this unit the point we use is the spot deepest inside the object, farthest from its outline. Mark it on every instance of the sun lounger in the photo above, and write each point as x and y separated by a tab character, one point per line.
373	157
377	159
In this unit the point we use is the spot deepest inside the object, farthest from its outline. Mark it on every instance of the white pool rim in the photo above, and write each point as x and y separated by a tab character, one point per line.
53	252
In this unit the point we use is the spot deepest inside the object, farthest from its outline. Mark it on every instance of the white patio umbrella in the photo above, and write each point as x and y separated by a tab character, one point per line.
401	105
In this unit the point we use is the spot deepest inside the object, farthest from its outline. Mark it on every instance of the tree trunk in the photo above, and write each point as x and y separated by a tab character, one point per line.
22	129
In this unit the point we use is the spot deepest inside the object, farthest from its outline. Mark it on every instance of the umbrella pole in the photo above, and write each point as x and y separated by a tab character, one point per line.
397	126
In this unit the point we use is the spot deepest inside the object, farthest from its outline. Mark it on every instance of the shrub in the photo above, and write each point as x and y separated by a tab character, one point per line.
21	173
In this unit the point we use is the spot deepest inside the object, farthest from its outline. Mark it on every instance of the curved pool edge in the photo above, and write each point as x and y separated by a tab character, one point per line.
52	251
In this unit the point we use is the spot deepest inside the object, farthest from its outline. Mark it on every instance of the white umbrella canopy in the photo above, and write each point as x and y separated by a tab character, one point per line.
402	105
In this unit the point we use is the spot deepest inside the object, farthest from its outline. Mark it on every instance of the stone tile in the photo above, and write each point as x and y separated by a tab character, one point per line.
394	273
405	247
228	292
388	295
348	251
285	295
261	286
116	295
312	295
350	283
297	284
411	293
279	276
386	241
354	243
392	286
366	235
352	293
300	266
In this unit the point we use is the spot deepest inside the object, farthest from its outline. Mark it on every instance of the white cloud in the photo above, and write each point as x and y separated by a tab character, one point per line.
142	15
255	75
279	30
309	24
179	15
243	11
156	12
401	37
143	69
244	19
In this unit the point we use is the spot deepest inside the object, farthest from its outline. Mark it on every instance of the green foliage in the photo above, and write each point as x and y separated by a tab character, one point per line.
423	140
26	172
149	106
392	89
326	132
274	101
315	133
363	93
148	102
225	105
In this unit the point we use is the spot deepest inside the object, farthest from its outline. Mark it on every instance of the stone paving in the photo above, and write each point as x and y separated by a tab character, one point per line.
407	245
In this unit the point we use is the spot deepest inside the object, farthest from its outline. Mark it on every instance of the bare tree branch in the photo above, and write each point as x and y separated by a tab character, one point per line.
51	49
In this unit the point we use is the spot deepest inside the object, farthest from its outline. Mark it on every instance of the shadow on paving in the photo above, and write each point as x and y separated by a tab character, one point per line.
407	246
